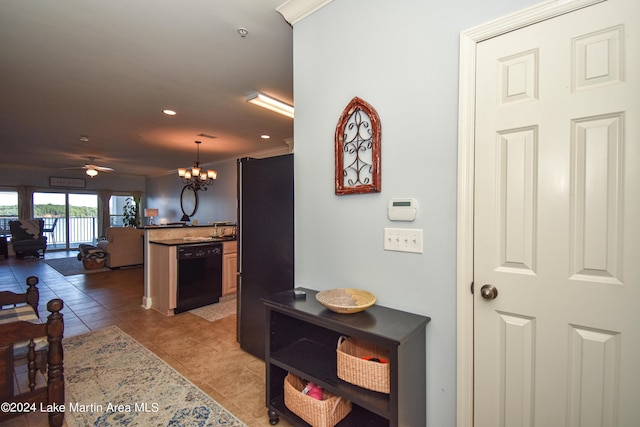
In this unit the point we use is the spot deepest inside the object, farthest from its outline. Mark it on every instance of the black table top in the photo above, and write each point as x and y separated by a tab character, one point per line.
384	323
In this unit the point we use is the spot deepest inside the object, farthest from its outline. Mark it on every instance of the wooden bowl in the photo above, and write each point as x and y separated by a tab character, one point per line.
346	300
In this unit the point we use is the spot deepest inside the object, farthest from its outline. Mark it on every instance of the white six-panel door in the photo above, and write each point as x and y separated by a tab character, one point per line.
557	214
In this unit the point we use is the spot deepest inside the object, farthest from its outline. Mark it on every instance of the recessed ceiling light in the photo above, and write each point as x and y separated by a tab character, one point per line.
84	138
169	112
265	136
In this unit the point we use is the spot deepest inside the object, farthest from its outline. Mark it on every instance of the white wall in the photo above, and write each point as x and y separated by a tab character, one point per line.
12	176
402	58
217	203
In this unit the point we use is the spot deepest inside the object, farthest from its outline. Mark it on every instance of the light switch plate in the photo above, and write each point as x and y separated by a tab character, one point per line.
403	240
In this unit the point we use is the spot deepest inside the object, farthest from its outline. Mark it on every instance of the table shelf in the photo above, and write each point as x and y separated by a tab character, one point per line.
302	338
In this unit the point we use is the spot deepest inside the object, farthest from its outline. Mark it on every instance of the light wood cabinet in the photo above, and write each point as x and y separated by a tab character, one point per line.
229	267
163	273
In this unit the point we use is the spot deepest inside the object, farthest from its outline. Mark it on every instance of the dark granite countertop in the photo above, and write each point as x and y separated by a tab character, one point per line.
182	225
189	241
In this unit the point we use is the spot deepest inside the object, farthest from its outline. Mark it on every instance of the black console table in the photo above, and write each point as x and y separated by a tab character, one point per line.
302	336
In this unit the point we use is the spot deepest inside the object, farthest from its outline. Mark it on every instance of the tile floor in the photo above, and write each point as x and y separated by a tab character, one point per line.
206	353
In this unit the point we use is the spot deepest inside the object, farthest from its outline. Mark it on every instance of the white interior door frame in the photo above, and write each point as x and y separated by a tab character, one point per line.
466	178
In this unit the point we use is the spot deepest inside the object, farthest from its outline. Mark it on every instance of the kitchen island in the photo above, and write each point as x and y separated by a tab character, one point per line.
162	246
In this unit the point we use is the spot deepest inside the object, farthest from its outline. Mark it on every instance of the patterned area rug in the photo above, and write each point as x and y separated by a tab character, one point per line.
112	380
226	307
71	266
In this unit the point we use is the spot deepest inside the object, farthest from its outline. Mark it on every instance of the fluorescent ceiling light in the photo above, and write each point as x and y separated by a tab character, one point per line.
269	103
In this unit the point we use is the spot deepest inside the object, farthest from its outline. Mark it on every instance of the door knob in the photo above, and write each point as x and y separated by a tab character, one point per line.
489	291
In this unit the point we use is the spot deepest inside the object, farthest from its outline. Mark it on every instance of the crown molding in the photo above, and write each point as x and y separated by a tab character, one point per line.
296	10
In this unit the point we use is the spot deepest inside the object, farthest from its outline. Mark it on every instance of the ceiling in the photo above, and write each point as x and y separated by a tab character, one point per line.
107	69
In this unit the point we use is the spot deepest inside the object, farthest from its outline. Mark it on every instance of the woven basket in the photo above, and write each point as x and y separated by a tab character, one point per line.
346	300
353	369
319	413
93	264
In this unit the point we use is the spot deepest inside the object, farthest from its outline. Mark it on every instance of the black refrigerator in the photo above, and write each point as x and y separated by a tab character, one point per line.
265	242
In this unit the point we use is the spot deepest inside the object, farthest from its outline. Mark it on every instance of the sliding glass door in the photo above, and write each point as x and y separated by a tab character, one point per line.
69	218
52	208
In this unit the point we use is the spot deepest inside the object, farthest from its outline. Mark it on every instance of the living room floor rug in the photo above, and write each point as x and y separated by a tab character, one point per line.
112	380
220	310
70	266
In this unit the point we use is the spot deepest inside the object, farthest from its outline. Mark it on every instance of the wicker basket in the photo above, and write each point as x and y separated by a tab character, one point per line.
93	264
346	300
319	413
353	369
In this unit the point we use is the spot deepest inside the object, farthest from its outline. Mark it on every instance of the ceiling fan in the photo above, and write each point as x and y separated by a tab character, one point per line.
91	168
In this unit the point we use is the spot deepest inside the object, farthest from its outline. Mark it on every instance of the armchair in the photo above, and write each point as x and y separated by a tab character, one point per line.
27	238
124	246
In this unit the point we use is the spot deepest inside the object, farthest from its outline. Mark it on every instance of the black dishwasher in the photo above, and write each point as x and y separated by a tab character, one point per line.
199	275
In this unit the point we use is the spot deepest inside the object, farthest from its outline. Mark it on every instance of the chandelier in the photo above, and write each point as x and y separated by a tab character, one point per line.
197	177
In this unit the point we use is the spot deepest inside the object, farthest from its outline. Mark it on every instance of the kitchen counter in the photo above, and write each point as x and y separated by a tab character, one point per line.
196	240
165	240
186	226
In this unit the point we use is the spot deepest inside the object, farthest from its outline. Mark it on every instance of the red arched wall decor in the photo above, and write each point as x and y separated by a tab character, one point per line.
357	149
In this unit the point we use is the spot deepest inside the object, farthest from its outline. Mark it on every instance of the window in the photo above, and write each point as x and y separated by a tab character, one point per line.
116	209
8	209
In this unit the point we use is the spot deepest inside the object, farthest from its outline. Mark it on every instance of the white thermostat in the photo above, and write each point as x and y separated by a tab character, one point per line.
402	209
